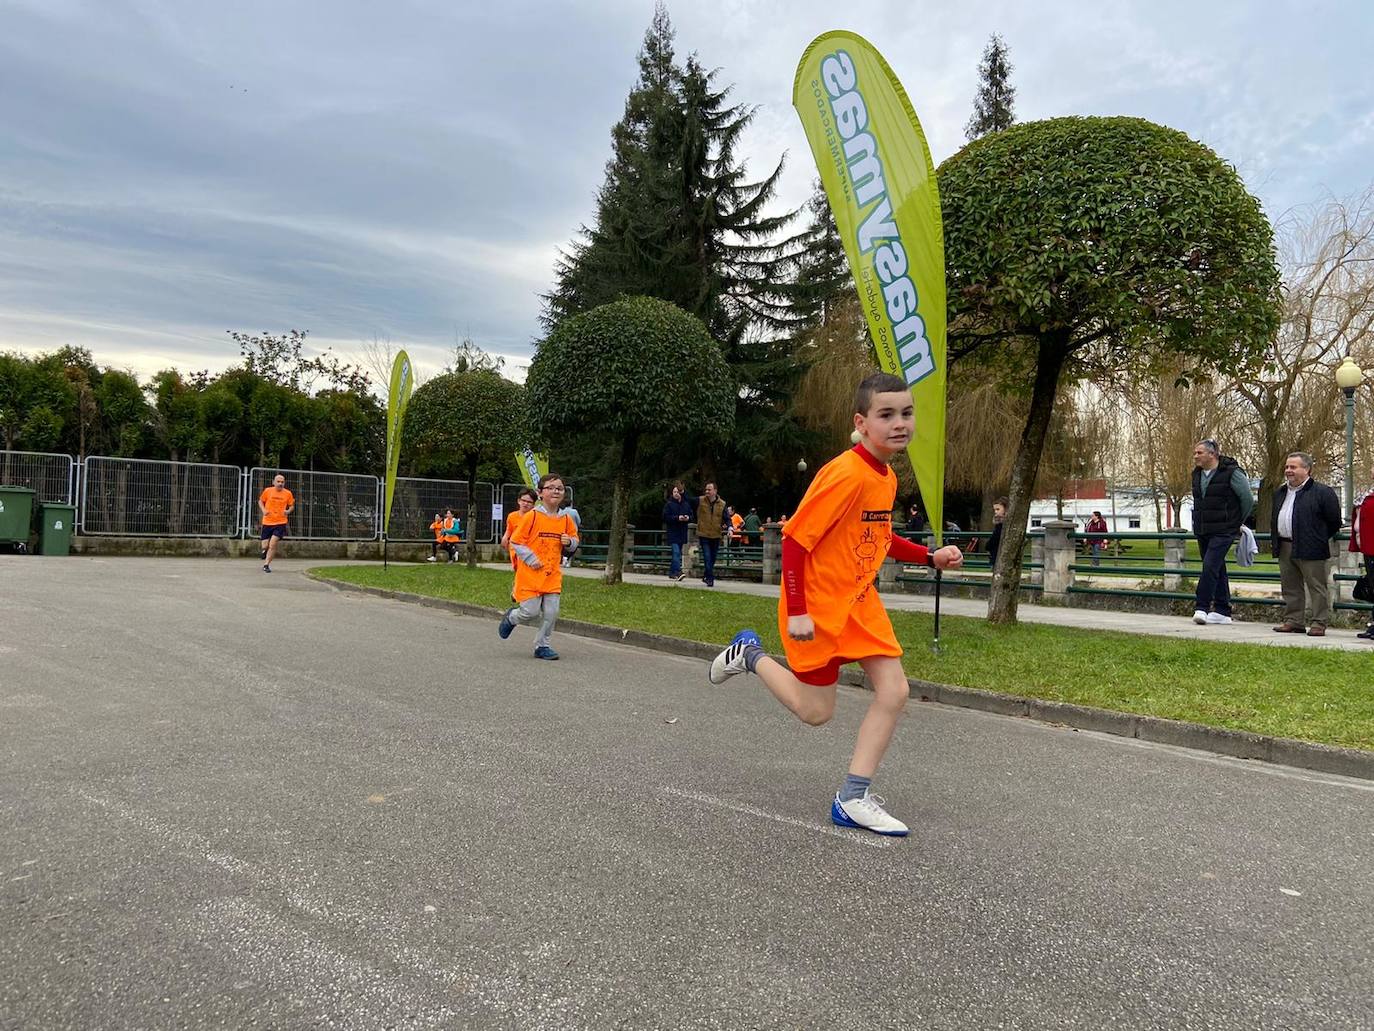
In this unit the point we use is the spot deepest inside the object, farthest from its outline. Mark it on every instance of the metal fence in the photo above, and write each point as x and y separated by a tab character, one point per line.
52	476
329	506
417	501
138	497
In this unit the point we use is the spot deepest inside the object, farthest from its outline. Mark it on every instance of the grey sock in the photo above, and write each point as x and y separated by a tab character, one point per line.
854	787
752	654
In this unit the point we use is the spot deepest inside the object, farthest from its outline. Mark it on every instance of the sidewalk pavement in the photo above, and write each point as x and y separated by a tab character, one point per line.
1181	627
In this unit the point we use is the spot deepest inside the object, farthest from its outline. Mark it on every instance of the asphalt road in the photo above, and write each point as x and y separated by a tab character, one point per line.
229	799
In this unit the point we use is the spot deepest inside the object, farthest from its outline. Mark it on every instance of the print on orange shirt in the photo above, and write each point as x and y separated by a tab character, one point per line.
276	502
542	534
845	524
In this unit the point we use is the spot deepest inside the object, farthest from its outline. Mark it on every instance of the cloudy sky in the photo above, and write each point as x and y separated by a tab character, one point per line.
172	169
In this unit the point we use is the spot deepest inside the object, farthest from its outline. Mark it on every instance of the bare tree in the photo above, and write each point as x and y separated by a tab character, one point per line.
1169	415
1291	402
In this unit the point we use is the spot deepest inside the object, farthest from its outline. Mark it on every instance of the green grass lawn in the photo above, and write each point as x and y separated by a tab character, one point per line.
1311	694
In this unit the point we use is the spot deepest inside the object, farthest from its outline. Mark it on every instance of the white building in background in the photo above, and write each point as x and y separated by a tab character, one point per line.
1126	509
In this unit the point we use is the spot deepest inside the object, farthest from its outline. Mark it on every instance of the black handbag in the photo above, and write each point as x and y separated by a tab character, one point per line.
1364	589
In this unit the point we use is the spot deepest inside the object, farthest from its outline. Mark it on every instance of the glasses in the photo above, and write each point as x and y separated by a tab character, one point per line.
556	489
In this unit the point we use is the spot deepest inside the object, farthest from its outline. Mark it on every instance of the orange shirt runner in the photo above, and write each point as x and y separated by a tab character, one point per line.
543	534
845	524
276	502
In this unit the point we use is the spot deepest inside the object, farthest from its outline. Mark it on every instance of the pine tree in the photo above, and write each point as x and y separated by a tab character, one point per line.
993	104
676	217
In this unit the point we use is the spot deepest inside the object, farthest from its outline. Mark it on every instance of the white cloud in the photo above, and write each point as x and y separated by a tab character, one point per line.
410	170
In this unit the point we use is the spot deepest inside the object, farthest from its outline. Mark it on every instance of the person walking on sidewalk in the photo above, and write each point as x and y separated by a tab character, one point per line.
829	612
1221	502
677	515
710	510
1307	516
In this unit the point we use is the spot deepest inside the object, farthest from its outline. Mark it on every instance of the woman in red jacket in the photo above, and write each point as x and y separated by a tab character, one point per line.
1362	541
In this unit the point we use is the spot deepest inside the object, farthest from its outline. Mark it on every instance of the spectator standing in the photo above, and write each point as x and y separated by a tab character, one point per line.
999	516
736	526
753	527
1307	515
1362	542
710	510
572	513
677	515
1099	525
913	517
1221	502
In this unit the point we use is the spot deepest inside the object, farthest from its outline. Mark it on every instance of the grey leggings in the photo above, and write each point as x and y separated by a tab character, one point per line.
541	609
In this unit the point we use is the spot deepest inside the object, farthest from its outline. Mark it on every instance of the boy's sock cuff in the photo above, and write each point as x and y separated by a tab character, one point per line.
854	787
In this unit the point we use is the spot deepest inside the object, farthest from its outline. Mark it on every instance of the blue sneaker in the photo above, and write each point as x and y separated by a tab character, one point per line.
545	652
732	661
507	627
867	814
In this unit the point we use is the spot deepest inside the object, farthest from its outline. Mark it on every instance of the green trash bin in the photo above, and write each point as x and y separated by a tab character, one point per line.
55	529
16	515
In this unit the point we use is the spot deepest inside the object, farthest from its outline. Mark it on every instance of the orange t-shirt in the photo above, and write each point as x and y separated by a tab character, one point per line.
512	520
543	534
438	527
276	502
845	524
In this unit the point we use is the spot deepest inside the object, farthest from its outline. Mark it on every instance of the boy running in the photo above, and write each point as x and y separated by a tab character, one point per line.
829	612
540	541
275	503
524	503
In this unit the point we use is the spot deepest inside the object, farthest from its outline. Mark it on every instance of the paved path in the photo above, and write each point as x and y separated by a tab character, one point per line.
229	799
1091	619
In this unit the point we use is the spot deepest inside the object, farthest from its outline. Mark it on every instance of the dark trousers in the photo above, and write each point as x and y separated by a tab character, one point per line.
1369	572
1213	587
709	547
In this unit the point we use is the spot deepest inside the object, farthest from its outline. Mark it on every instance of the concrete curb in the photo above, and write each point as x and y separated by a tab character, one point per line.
1283	751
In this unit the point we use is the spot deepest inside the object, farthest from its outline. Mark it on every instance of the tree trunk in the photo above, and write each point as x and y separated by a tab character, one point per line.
620	504
472	513
1006	578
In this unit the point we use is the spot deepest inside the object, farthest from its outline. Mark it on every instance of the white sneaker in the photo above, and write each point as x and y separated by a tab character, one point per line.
431	559
1199	617
1218	618
866	813
732	661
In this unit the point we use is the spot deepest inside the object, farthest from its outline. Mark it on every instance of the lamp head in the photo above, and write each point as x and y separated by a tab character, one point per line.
1348	374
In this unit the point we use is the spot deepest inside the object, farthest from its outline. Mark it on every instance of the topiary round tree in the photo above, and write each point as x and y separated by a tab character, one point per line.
1104	247
460	420
634	367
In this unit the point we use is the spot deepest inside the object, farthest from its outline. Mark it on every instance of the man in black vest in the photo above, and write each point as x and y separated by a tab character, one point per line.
1307	515
1221	502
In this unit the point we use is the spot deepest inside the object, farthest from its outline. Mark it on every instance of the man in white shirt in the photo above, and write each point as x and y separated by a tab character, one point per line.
1307	515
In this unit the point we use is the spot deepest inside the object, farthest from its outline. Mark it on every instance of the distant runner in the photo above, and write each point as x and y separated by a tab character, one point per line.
275	503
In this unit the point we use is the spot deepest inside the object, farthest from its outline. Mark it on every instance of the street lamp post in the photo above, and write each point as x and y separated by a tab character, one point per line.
1348	377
